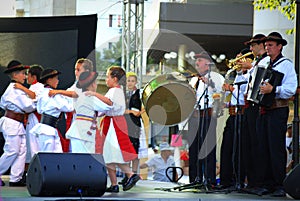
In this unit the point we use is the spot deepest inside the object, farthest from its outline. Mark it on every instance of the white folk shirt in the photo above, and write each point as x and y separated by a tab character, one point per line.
37	88
15	100
86	106
217	80
51	106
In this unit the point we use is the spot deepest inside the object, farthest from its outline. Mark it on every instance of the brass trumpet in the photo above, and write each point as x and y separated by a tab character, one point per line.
232	62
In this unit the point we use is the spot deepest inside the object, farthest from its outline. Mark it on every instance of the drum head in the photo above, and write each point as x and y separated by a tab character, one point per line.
170	102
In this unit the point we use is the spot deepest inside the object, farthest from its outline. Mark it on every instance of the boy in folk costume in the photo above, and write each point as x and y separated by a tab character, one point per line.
33	92
50	108
82	132
16	104
118	149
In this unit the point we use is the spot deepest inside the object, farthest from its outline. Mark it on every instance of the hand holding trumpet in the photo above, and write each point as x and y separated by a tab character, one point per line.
240	62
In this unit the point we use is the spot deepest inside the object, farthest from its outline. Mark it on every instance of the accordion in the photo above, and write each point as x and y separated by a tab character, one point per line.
269	75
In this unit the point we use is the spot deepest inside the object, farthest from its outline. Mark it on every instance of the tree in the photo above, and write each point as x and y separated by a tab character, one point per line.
286	7
109	56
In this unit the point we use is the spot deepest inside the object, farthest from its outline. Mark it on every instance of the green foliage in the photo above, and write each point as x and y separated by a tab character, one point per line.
109	56
286	7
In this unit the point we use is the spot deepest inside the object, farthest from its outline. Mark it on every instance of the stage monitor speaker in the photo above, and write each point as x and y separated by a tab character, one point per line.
66	174
292	183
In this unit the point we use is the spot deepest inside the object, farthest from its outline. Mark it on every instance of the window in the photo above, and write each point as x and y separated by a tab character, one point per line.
110	20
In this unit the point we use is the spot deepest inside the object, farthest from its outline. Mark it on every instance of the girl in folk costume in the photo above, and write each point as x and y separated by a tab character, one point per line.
50	108
16	104
82	132
33	92
118	149
81	65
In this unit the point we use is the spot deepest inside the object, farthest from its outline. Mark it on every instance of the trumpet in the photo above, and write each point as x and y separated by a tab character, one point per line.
232	62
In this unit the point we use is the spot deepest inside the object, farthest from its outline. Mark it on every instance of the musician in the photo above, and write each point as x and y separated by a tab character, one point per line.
202	155
274	118
232	171
251	112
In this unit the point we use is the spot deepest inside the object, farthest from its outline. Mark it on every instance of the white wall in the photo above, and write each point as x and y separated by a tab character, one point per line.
267	21
7	8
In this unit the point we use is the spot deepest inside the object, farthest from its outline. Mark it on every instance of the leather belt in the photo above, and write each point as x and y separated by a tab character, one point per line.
277	103
49	120
202	112
233	110
15	116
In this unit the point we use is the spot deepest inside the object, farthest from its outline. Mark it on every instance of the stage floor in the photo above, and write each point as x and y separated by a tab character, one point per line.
147	190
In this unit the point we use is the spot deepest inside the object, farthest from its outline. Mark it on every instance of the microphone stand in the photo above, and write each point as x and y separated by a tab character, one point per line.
201	134
237	140
196	184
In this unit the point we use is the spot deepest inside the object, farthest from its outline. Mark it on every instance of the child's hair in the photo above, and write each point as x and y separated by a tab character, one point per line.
36	70
86	64
131	74
119	73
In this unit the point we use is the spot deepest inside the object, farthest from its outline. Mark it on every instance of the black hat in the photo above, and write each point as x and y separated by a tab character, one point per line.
86	78
255	39
15	65
48	73
275	36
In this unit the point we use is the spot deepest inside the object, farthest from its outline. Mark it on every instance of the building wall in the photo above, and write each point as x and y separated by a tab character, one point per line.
52	7
267	21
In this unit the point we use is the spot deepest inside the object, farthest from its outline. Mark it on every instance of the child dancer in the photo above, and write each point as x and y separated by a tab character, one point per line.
50	108
81	65
16	103
33	92
133	117
83	130
117	150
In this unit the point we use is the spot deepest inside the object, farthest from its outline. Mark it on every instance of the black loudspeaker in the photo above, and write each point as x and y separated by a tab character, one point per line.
66	174
292	183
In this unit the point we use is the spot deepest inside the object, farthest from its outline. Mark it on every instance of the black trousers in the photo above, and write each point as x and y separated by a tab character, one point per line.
251	148
232	164
202	149
272	147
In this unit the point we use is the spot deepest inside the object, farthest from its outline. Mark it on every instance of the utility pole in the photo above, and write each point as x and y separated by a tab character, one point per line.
295	155
132	37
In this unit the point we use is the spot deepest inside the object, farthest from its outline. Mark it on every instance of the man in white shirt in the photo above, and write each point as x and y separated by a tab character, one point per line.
202	124
161	162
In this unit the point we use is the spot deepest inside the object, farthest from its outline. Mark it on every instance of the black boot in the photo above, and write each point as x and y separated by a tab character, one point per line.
112	189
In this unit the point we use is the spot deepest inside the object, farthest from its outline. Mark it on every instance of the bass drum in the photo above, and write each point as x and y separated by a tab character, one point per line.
168	99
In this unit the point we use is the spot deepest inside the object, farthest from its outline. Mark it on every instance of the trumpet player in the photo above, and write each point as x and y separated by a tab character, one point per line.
251	113
232	170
